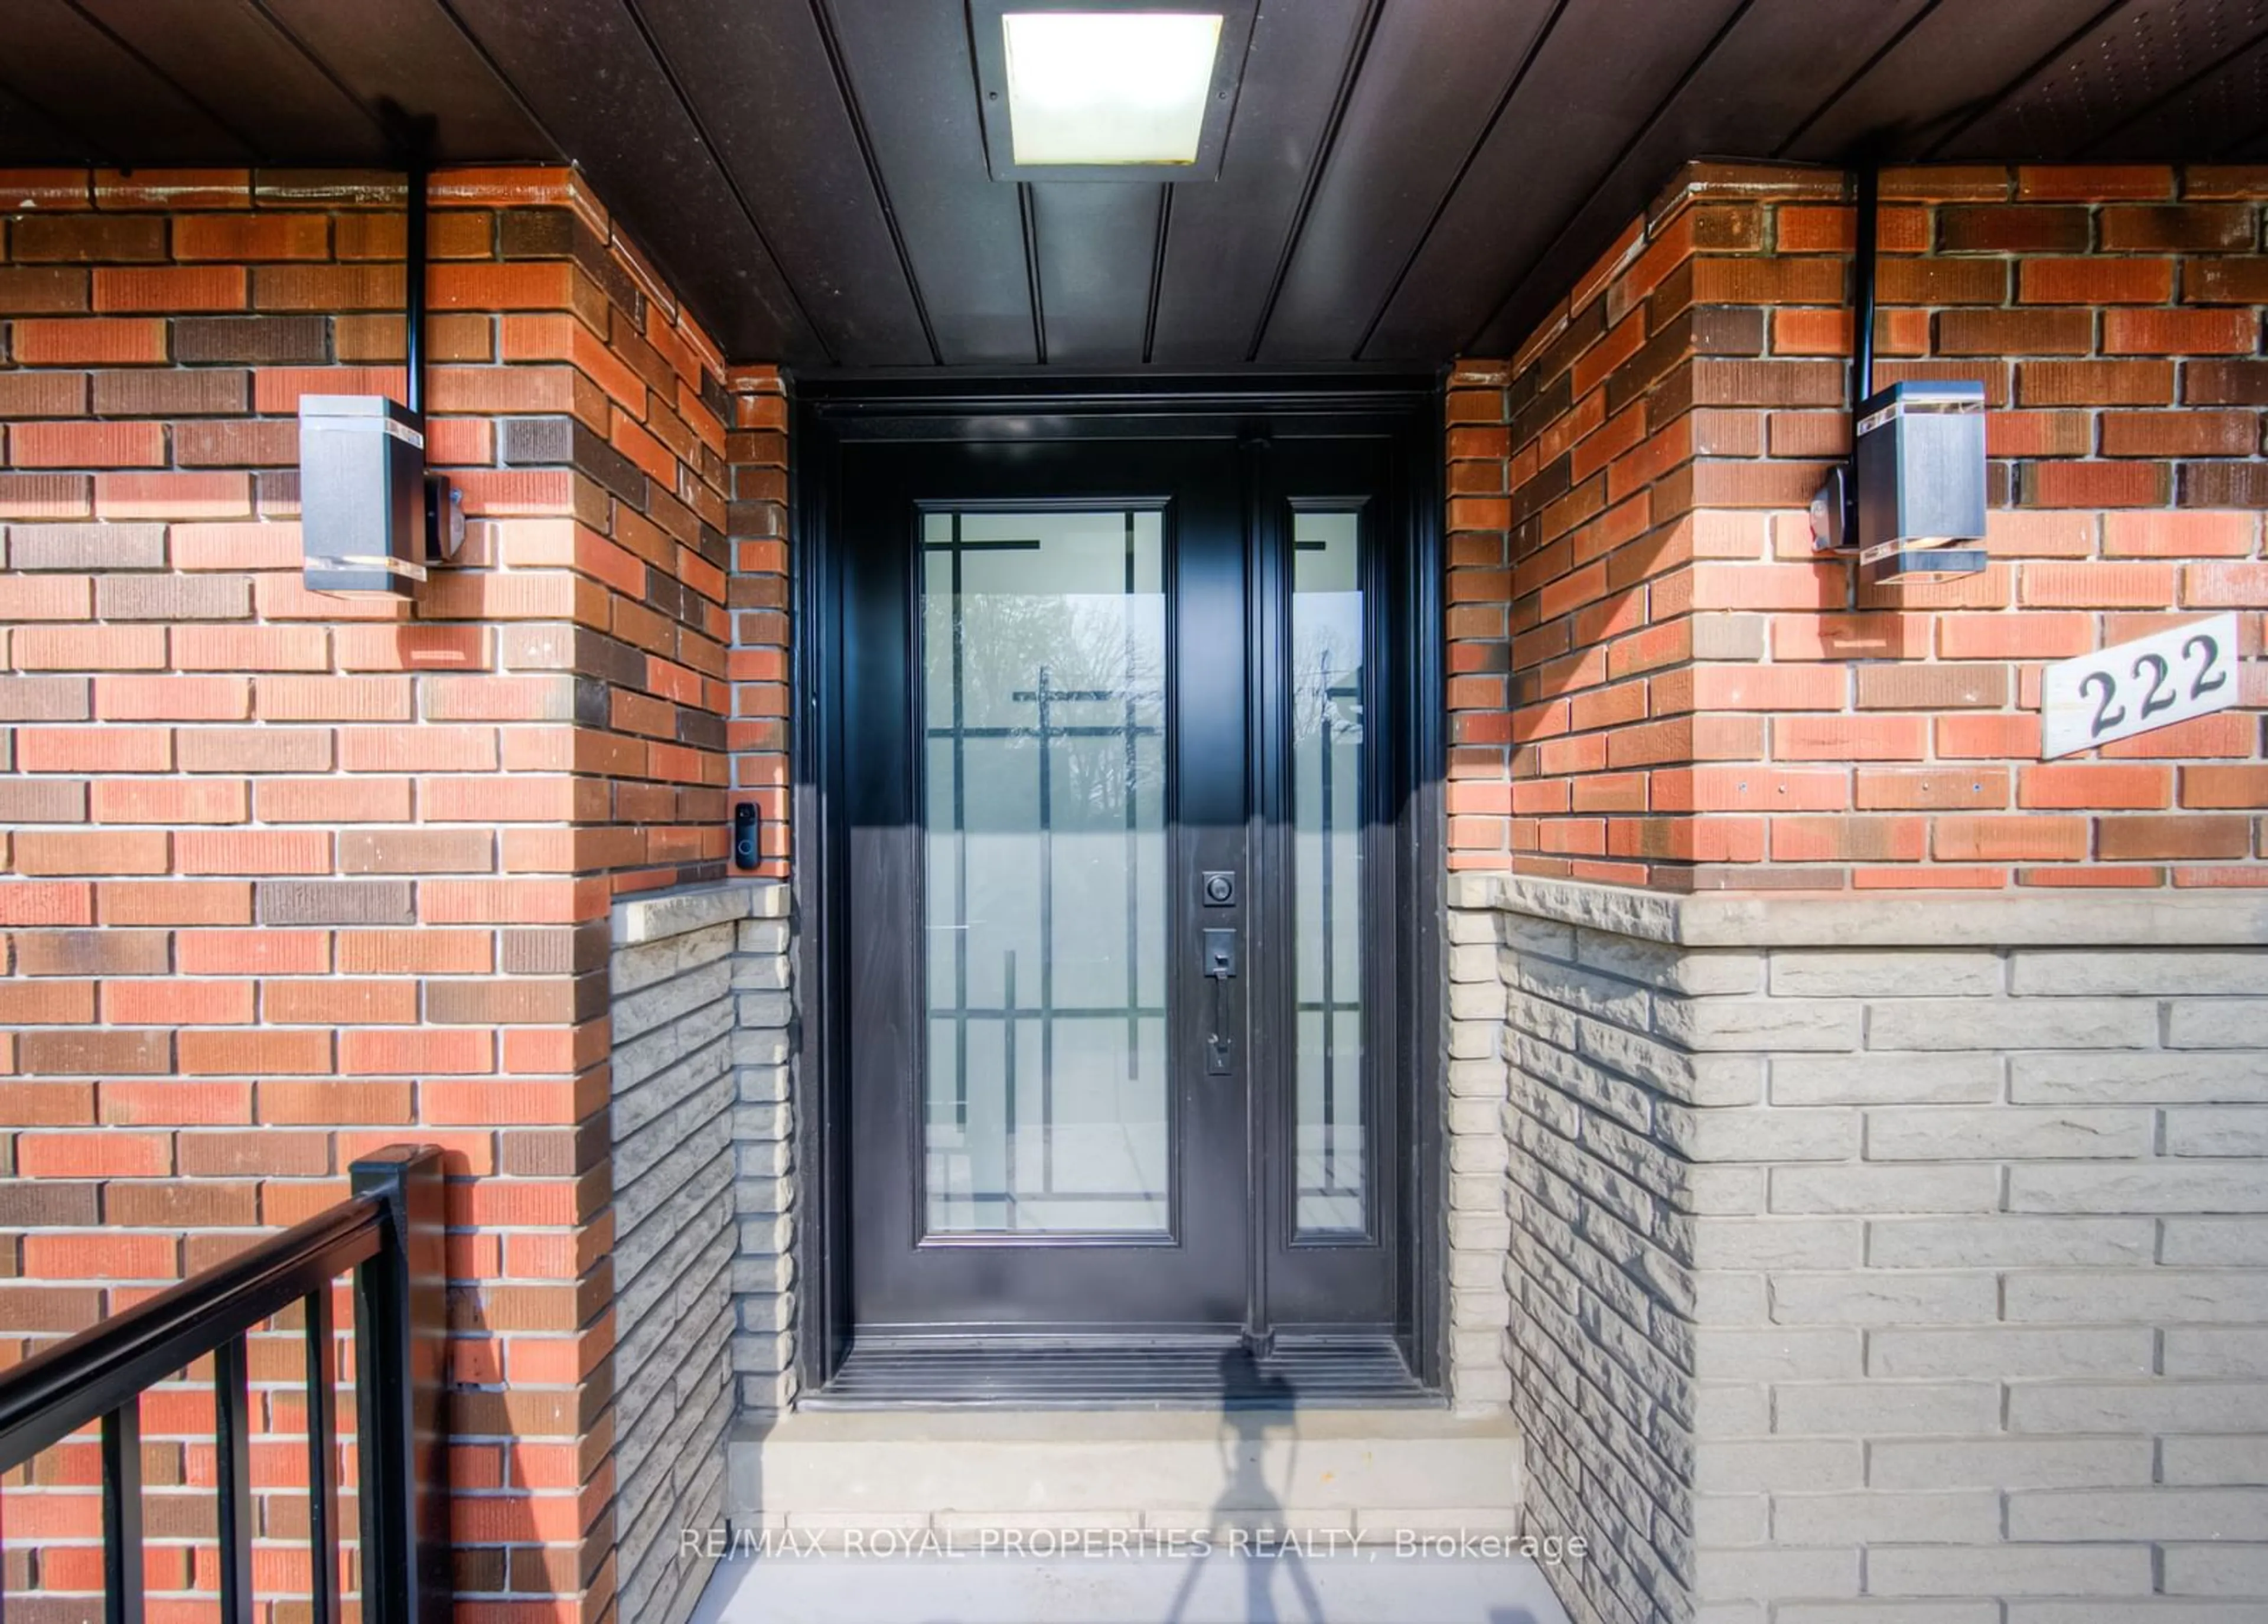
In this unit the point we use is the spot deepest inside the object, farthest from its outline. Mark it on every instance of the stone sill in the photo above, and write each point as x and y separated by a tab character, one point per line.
1937	919
656	915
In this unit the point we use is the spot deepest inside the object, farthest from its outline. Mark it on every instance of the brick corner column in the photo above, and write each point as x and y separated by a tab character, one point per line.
286	877
1693	699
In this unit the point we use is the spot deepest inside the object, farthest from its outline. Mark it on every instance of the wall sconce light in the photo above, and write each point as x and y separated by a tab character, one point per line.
362	495
1919	473
371	517
1915	483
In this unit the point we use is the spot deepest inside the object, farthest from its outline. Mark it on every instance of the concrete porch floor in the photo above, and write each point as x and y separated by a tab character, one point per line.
1119	1517
1366	1587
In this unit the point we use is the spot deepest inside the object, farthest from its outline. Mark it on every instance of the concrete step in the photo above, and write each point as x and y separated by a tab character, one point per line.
1373	1471
1218	1588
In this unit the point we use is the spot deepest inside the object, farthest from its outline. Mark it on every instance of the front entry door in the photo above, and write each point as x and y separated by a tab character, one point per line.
1113	830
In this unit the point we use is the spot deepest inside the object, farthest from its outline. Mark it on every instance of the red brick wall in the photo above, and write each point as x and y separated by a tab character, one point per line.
286	877
758	732
1653	681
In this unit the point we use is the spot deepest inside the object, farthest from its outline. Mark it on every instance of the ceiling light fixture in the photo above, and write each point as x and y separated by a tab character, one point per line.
1129	91
1109	88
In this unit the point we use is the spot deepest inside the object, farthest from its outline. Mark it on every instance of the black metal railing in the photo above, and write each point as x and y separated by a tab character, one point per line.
390	1234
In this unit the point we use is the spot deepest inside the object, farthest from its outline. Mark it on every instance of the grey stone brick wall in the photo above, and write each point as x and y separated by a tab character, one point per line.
1889	1260
1480	1232
1599	1275
700	1015
763	1188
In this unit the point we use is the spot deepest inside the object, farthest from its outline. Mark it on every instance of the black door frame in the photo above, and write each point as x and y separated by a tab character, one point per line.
1401	410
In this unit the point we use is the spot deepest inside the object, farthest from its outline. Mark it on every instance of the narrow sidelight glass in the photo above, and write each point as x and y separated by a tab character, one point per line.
1045	1108
1328	763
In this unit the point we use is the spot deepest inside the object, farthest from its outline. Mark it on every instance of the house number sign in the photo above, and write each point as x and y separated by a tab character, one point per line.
2151	682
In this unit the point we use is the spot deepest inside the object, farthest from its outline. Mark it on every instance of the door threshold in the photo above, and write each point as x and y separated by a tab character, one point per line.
1336	1372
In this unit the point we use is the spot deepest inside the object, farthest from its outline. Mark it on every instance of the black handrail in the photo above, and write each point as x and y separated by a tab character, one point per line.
390	1233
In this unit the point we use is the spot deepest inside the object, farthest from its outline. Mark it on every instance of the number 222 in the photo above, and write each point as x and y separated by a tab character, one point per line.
2109	713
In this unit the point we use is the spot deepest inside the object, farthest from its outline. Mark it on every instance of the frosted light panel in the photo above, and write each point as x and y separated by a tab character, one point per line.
1109	88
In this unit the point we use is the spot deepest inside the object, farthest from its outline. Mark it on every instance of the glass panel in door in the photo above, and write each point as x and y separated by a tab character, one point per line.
1328	775
1045	1108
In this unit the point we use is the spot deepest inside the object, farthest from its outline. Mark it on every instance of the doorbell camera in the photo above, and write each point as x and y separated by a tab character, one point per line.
746	825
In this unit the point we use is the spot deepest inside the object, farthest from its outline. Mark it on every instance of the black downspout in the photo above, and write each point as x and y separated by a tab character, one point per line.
1862	333
414	271
1862	346
411	136
443	506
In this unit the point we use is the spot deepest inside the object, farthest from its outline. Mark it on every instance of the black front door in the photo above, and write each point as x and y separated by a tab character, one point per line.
1118	893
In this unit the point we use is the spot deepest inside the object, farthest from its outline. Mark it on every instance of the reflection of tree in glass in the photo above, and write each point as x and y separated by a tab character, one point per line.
1086	645
1324	659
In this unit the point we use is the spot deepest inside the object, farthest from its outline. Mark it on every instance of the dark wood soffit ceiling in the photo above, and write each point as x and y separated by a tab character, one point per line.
1405	181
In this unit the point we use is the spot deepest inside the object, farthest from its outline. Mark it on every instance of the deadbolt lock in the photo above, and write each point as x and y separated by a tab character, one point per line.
1220	888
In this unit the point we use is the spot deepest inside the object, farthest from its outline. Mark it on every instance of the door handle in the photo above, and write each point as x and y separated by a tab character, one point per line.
1221	969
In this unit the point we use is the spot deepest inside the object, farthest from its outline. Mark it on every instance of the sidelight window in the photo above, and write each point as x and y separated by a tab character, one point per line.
1328	760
